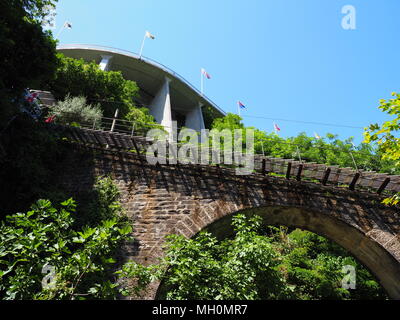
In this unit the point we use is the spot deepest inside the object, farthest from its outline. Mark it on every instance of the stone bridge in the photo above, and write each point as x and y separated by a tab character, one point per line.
340	204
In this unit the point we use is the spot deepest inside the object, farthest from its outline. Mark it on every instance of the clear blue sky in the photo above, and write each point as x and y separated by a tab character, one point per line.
284	59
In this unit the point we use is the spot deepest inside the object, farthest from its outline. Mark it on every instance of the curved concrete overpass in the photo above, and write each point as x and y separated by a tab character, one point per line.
168	95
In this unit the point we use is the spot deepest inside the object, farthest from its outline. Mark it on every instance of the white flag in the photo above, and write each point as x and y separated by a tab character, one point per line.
149	35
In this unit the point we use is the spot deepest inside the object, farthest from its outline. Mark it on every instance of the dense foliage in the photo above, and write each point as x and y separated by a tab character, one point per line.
77	244
108	88
31	158
44	254
329	150
28	54
254	264
386	135
76	110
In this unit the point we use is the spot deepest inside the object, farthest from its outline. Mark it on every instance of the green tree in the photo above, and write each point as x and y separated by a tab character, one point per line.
35	9
313	265
256	263
231	121
28	54
81	255
108	88
204	268
328	150
386	136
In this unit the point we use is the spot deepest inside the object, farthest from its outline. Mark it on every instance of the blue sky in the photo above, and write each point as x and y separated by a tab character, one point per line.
284	59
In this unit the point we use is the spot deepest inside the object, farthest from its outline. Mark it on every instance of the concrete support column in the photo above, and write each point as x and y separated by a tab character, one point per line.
105	63
160	107
194	118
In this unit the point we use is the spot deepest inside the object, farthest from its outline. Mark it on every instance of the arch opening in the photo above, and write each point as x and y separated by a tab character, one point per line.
384	267
381	264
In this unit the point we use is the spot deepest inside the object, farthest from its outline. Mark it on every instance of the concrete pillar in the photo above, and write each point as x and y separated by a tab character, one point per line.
160	107
194	118
105	63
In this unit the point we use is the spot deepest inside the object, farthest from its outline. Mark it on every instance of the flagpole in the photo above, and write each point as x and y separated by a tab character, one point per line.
141	48
202	81
61	30
238	109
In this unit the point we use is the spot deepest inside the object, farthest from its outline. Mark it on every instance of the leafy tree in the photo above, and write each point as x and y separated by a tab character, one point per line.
35	9
27	171
28	54
143	120
80	259
314	265
231	121
254	264
108	88
328	150
386	136
202	268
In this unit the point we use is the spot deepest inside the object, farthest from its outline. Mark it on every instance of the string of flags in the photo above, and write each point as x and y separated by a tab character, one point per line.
204	74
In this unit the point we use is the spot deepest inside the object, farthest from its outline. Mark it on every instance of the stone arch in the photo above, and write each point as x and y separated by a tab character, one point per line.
365	249
184	200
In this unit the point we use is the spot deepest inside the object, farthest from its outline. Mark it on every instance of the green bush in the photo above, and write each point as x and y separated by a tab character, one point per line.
28	54
108	88
75	109
328	150
257	263
80	259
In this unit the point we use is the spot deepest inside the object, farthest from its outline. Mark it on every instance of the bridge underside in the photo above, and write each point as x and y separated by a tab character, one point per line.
168	96
185	199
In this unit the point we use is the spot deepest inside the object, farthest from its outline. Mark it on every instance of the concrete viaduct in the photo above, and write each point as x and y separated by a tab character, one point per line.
167	95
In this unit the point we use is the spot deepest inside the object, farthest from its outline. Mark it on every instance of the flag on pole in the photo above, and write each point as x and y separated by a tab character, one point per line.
241	105
149	35
204	73
276	128
317	136
67	25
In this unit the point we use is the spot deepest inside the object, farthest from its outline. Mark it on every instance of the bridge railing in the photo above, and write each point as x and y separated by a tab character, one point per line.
137	146
116	125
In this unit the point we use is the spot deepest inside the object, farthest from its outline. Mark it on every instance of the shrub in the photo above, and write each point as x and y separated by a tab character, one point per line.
108	88
80	260
75	109
255	264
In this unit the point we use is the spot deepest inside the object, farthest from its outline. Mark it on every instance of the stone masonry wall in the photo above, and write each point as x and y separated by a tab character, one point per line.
162	200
